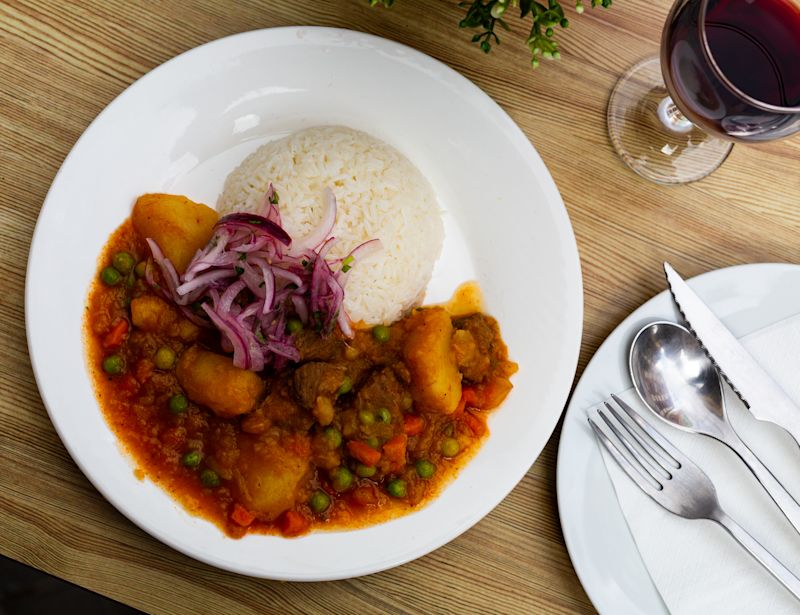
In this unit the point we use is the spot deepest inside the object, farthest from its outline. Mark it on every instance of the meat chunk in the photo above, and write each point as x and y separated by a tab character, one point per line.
282	410
212	380
472	363
179	226
474	343
271	474
316	379
381	389
428	353
154	315
316	347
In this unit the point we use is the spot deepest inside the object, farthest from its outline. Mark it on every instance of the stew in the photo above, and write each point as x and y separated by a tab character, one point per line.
358	431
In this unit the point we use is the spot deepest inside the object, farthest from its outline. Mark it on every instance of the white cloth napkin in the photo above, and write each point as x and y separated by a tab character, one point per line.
697	568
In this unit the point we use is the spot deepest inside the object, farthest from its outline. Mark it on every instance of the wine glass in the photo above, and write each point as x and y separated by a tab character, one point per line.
732	72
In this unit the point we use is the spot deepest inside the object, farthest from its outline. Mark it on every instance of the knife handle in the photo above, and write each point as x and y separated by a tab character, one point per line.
788	505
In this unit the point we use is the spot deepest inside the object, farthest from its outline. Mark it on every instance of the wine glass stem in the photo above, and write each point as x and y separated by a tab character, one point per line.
672	118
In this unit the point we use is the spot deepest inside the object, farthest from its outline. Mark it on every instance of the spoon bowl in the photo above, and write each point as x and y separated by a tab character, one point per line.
675	378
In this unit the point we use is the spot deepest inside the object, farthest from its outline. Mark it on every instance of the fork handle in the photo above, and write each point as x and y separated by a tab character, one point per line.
757	550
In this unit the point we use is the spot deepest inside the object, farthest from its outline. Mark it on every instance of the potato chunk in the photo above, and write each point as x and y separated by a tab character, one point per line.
212	380
270	476
179	226
154	315
428	353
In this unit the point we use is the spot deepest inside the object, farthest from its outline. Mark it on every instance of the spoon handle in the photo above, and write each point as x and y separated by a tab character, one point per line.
774	487
756	549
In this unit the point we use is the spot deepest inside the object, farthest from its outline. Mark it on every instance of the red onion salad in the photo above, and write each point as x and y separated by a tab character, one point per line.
252	277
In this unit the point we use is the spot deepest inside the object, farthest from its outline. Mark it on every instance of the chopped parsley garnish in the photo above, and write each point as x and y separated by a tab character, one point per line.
347	264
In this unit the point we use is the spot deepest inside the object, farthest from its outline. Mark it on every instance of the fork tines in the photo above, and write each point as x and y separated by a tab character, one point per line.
645	455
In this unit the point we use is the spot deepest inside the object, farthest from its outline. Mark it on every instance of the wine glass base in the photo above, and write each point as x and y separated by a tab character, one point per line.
642	140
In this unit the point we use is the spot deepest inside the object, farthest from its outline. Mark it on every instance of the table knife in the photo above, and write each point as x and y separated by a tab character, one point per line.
764	397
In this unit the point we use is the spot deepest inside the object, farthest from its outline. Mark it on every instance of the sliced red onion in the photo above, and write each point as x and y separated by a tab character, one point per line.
203	280
168	272
227	298
248	284
301	308
269	289
240	349
252	223
318	234
269	206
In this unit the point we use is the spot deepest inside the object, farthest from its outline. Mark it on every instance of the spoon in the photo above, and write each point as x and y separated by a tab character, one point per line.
675	379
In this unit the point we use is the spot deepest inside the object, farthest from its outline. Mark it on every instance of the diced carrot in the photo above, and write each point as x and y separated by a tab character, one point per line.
292	523
413	424
365	495
128	384
144	369
394	450
475	423
116	335
470	397
364	453
241	515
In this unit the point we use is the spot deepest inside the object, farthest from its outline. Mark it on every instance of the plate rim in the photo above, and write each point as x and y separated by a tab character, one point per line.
317	35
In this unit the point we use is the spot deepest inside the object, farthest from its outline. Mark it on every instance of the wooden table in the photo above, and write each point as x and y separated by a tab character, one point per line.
61	64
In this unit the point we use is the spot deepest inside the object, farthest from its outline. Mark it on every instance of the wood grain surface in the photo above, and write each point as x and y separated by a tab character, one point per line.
62	63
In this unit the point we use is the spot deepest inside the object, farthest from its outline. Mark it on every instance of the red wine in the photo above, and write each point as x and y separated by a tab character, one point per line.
756	45
753	92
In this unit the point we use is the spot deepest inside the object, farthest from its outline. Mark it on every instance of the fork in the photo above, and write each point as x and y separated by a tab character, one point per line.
673	480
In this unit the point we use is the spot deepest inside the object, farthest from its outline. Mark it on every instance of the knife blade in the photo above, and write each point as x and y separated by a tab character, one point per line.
764	397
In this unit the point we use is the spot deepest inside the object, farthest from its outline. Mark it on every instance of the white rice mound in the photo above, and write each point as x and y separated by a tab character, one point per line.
379	193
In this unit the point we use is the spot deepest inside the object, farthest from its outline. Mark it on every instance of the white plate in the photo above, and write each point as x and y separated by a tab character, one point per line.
183	127
746	298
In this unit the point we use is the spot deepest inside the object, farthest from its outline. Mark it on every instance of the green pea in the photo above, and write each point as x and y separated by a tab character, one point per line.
293	325
192	460
425	469
165	358
178	403
341	479
366	417
113	365
141	269
406	401
373	441
110	276
384	416
346	386
381	333
123	262
397	488
209	478
333	436
130	281
319	501
365	471
450	447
